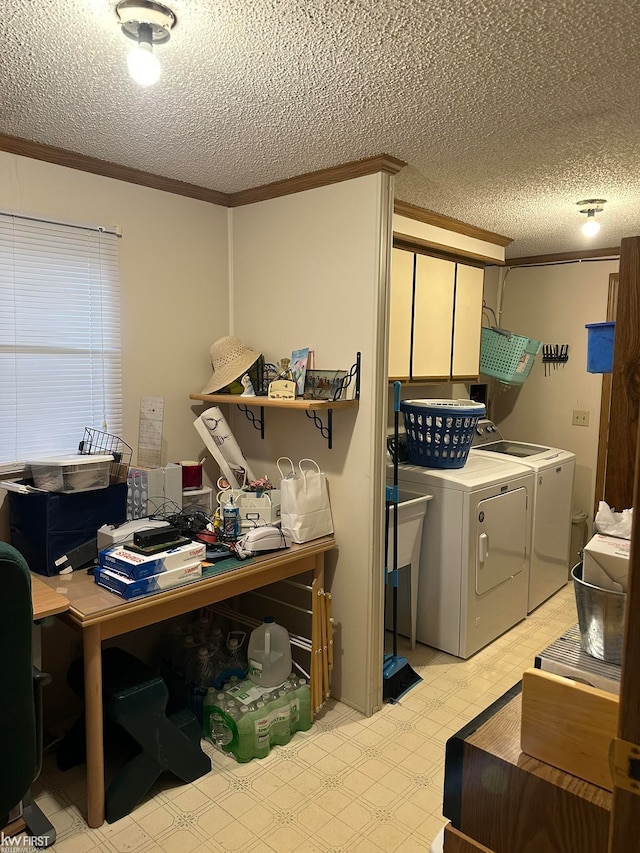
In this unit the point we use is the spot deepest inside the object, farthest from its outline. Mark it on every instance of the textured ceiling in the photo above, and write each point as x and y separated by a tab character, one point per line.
507	112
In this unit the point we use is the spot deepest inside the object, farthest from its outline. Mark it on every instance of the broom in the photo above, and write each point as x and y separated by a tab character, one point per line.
397	675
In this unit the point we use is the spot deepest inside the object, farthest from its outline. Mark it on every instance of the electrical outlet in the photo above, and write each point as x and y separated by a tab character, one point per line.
580	417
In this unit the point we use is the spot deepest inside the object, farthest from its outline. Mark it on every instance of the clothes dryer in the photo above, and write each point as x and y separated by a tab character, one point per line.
474	562
552	505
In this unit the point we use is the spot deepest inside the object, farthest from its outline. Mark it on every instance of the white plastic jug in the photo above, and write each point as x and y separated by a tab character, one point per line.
269	654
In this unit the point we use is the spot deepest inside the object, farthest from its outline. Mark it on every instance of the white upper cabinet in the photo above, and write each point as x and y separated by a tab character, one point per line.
432	317
401	313
435	319
467	322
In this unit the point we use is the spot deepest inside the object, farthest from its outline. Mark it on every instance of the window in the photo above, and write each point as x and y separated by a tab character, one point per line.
60	361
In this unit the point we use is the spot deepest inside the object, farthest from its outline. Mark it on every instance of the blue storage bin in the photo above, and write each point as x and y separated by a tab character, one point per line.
44	526
439	432
600	347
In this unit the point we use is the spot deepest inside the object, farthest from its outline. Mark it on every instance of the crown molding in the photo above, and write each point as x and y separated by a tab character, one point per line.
429	247
96	166
320	178
583	254
84	163
429	217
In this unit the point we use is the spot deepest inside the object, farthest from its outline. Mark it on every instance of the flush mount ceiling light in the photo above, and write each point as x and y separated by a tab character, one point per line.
591	206
147	23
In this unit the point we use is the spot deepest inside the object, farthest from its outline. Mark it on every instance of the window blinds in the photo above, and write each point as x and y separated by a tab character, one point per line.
60	361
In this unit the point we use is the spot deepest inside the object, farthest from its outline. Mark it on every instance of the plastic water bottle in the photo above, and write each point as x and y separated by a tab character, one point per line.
202	629
280	731
203	671
291	686
219	725
171	642
236	660
226	729
215	643
231	520
184	660
209	703
269	654
232	661
304	697
245	747
262	727
199	678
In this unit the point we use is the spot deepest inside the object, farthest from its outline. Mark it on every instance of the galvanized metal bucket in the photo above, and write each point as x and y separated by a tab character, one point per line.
600	617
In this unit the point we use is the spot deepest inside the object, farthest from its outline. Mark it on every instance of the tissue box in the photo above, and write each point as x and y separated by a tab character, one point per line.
134	588
605	562
139	566
255	510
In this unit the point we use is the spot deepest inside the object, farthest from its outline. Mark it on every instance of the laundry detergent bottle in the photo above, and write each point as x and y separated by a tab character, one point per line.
269	654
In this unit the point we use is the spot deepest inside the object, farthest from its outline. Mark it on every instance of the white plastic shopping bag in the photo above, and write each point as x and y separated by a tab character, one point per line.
611	523
305	510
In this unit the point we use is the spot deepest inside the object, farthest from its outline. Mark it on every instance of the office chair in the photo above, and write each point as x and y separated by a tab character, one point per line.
20	700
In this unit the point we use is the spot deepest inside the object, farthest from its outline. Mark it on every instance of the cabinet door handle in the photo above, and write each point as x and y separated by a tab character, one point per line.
483	547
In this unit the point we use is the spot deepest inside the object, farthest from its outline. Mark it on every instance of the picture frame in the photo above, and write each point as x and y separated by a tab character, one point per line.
324	384
298	368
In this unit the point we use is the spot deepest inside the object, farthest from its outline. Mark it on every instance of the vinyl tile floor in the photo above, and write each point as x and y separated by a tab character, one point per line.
350	784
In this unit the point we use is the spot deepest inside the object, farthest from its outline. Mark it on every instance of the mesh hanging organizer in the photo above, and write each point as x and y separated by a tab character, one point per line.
506	356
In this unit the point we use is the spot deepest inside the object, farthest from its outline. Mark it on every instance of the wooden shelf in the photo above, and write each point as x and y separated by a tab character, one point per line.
312	408
267	402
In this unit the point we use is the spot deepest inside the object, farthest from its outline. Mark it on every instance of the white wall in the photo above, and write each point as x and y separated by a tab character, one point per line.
310	270
553	304
173	267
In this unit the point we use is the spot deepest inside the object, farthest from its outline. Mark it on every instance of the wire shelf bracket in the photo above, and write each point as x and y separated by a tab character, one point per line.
257	422
327	431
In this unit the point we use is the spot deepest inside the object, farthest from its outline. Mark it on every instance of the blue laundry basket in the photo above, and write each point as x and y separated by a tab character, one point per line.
439	432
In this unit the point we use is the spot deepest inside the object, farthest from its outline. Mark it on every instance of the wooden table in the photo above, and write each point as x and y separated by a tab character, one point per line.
100	615
500	800
45	600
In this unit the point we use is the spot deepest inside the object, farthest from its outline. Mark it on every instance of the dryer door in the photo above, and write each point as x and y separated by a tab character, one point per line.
501	532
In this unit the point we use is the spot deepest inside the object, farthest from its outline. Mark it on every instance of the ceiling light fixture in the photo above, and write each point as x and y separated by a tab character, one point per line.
591	206
147	23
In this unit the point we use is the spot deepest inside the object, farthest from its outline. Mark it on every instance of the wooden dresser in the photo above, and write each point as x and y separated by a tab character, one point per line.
500	800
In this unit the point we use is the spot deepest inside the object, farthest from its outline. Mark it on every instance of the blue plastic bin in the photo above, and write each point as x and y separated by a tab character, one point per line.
600	347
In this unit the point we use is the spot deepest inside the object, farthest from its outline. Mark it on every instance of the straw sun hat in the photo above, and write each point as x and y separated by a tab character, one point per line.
230	359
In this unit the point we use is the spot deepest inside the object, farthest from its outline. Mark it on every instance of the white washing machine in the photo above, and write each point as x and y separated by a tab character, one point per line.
552	505
474	562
